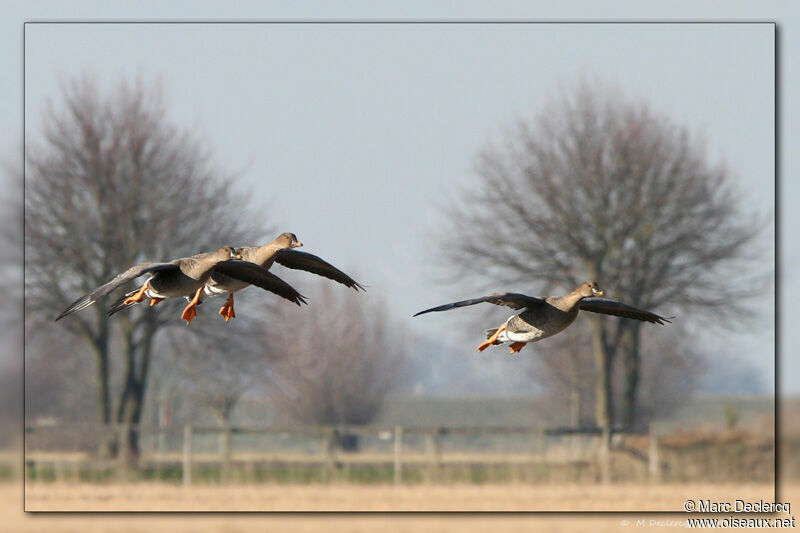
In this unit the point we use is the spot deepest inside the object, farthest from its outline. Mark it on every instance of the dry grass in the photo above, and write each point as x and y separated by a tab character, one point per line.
271	497
263	497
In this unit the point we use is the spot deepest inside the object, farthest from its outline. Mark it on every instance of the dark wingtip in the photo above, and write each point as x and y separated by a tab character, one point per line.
432	309
77	305
661	321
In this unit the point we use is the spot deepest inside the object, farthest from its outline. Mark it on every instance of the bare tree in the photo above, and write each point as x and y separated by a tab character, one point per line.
336	361
110	181
599	187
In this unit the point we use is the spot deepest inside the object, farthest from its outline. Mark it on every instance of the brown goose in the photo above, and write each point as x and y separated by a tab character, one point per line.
545	316
184	277
280	251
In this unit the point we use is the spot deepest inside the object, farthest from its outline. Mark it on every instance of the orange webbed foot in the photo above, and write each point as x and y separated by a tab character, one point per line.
191	310
189	313
515	347
155	301
137	297
491	340
482	346
227	309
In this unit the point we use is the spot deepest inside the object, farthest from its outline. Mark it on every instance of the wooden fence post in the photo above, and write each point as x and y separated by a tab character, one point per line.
30	470
18	471
398	455
542	447
574	447
123	452
537	447
163	418
187	455
433	445
605	454
329	448
162	442
225	454
58	470
653	460
75	471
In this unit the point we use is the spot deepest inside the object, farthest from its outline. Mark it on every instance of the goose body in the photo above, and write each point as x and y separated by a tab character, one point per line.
535	324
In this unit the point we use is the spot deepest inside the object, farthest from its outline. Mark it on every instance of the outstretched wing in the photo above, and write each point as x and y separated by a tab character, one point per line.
311	263
613	307
508	299
133	272
260	277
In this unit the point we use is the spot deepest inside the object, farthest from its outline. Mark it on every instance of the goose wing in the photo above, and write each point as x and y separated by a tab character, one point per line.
509	299
133	272
260	277
613	307
316	265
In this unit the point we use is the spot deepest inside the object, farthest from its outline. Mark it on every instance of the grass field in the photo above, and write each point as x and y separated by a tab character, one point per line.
513	495
262	497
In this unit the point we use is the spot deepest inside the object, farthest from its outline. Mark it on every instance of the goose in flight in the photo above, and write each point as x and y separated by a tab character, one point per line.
281	251
543	317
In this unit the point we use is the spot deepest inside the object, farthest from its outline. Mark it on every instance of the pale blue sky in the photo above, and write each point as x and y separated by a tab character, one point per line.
353	135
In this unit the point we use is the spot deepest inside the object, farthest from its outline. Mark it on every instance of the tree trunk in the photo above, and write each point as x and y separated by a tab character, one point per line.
575	392
131	401
130	417
630	345
603	357
106	447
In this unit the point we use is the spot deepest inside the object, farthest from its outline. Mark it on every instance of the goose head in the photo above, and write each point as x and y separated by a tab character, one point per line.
227	252
287	240
590	288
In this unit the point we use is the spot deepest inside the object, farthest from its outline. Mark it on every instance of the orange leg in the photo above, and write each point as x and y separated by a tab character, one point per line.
227	309
137	297
491	339
514	347
191	310
154	301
